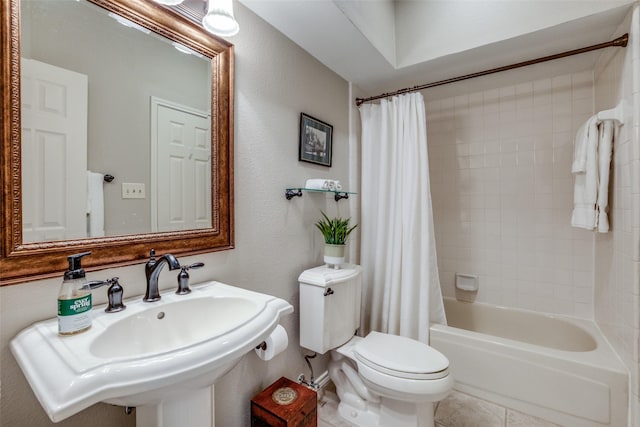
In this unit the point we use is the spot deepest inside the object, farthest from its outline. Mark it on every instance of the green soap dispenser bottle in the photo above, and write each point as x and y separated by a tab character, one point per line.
74	299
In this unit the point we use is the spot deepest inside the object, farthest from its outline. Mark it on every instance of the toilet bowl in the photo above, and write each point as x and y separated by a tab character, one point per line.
381	379
388	380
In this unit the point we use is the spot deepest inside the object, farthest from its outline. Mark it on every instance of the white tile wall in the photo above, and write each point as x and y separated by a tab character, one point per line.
502	197
617	271
502	190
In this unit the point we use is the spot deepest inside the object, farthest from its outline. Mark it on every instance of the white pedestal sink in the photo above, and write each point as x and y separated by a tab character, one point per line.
162	357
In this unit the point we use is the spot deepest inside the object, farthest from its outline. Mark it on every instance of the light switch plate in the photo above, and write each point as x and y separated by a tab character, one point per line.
133	190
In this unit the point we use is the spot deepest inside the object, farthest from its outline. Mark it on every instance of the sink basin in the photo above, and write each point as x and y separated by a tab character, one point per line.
147	353
176	324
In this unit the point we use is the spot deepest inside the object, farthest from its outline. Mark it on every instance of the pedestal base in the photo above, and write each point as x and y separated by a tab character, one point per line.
194	409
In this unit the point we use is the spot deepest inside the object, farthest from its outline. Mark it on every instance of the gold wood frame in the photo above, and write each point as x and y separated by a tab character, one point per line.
20	261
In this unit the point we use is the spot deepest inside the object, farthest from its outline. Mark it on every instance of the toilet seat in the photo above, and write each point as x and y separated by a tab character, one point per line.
404	389
401	357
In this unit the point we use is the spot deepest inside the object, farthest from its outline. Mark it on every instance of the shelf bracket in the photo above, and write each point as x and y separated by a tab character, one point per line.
290	193
339	196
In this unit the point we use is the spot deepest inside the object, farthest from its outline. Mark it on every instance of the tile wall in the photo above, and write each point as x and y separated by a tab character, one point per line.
617	254
502	195
502	191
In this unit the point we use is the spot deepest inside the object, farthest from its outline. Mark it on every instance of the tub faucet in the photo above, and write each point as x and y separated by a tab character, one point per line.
152	271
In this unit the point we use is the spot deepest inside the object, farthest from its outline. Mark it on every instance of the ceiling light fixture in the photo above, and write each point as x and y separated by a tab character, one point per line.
130	24
169	2
219	19
182	48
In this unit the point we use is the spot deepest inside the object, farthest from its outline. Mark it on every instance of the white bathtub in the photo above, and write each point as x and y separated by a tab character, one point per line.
554	367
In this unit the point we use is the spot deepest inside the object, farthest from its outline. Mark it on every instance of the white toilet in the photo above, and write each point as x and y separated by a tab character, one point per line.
381	379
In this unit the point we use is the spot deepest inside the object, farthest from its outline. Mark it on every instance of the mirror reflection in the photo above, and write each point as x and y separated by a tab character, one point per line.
101	96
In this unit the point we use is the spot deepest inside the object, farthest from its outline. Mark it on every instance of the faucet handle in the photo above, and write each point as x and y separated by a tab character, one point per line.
183	278
95	284
114	294
195	265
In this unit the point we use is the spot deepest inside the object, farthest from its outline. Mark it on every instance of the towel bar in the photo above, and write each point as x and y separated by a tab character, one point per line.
616	114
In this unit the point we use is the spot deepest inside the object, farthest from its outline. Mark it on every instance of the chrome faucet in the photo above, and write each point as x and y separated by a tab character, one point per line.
152	271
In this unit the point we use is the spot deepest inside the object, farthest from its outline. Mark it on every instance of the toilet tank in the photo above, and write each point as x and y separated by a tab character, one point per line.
329	306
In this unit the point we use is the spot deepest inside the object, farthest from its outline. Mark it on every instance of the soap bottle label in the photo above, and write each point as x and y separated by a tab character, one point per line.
74	315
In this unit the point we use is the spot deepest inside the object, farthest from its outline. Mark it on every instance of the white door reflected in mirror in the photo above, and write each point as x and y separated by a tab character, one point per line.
54	152
180	167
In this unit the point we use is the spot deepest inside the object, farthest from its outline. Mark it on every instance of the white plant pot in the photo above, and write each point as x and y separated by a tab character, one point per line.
334	255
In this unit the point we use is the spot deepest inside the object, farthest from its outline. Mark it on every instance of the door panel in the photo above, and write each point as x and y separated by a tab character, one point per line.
181	191
54	152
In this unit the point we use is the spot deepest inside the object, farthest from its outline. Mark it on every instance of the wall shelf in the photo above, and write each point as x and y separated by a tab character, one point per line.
290	193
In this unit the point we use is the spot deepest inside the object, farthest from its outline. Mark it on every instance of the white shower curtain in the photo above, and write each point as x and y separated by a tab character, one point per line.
401	292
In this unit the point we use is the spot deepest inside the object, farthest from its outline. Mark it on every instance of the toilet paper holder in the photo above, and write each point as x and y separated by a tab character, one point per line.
273	345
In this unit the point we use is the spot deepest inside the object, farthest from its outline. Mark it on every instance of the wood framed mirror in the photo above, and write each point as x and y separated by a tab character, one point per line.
22	259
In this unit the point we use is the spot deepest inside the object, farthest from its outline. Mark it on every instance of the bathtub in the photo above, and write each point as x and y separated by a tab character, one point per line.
554	367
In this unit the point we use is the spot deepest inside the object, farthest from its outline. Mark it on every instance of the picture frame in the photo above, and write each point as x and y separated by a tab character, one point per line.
316	141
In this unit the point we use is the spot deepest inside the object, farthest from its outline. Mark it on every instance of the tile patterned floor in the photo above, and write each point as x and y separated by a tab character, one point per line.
462	410
457	410
328	412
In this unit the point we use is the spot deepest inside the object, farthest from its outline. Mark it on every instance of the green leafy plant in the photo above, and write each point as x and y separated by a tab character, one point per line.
334	230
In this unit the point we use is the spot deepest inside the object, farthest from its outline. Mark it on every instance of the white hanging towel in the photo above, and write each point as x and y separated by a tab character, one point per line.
604	162
95	204
585	168
587	133
594	141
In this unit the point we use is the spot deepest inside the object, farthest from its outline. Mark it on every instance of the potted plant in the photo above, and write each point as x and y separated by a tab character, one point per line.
335	232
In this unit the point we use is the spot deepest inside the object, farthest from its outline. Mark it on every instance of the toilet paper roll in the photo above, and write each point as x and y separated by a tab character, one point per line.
276	343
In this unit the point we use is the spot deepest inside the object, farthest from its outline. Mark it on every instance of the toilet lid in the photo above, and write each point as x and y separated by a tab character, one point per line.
401	357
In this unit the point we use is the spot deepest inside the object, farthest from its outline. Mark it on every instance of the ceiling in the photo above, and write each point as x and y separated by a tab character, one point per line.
339	33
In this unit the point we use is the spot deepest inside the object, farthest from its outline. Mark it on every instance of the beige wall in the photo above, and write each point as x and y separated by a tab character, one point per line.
617	254
275	238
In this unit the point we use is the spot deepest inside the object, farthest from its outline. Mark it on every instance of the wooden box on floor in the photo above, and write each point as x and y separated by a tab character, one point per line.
285	404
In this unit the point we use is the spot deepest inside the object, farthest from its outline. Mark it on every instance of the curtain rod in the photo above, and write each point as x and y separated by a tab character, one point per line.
620	42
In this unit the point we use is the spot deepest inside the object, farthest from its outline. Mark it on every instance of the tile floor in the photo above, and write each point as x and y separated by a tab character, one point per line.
457	410
328	411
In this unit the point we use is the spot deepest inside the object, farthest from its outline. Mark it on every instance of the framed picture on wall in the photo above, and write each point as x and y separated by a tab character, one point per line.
316	140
